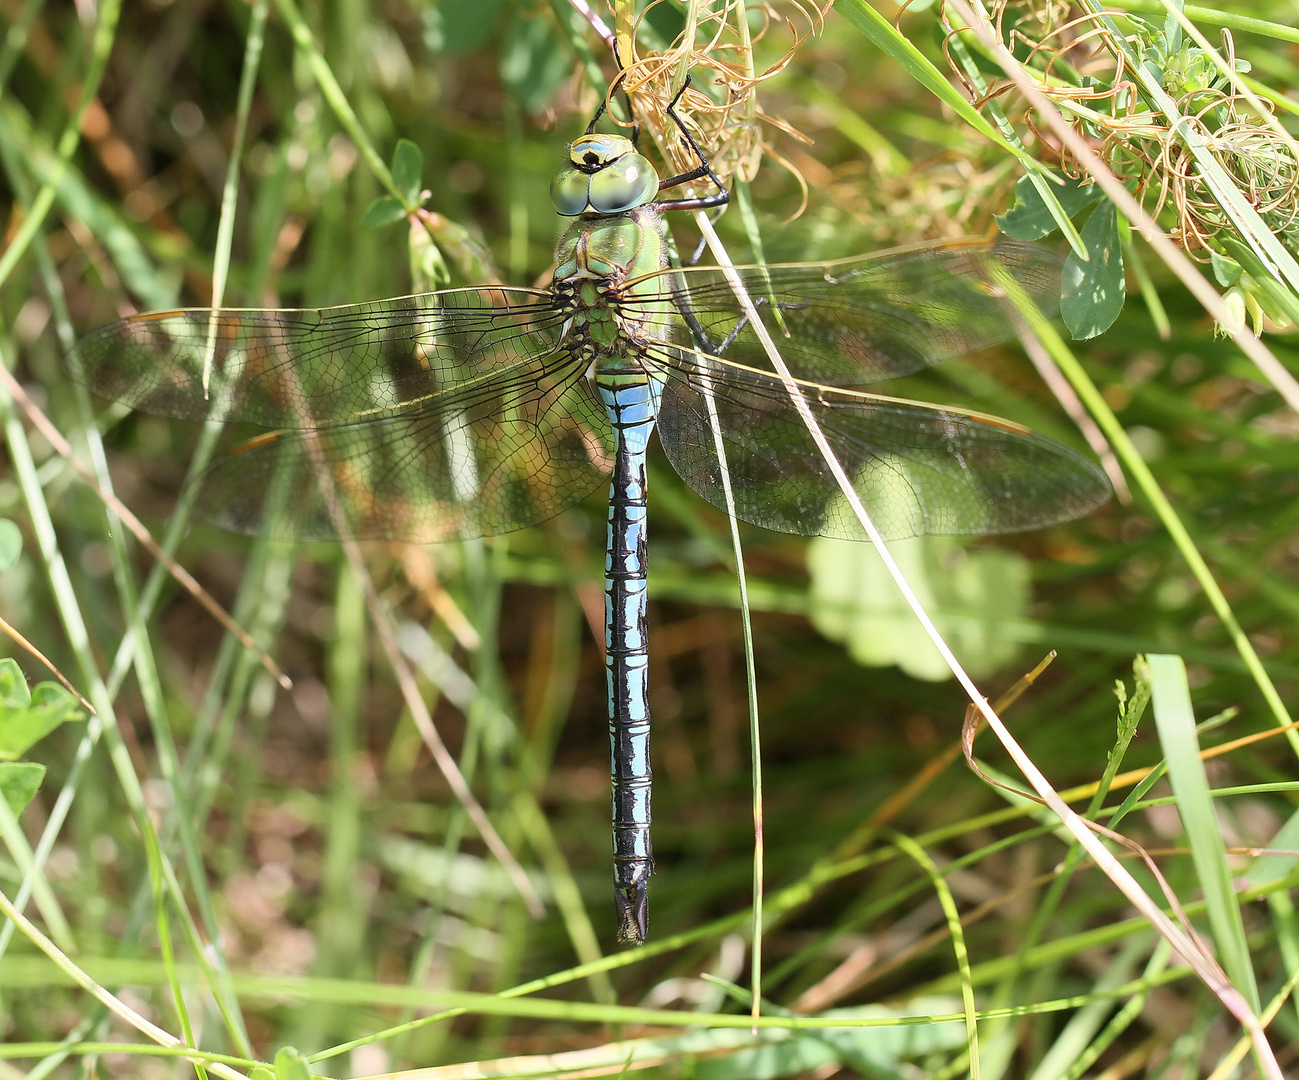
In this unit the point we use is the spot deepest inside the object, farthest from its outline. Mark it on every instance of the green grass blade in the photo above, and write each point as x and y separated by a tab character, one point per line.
1175	722
886	37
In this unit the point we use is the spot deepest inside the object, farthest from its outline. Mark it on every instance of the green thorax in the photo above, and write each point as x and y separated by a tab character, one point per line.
615	247
595	259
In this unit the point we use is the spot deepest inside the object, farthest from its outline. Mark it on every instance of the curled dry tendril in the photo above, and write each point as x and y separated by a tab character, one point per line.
1086	69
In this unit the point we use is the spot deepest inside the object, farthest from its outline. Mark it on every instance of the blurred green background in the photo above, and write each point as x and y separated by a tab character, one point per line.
278	861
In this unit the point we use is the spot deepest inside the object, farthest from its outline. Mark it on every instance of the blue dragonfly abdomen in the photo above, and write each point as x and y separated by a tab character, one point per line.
631	403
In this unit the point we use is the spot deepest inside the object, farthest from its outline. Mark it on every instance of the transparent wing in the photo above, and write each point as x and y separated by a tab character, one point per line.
481	458
301	368
422	418
919	469
856	321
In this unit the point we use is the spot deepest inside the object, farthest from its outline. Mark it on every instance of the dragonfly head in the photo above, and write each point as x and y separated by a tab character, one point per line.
603	175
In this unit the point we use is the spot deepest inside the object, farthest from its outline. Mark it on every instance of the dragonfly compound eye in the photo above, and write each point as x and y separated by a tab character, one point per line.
626	183
568	191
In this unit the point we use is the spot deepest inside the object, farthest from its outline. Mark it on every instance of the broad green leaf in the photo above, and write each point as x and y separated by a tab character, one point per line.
798	1054
383	211
27	716
853	600
291	1065
533	62
454	27
408	169
11	543
1094	291
13	684
868	1050
1030	219
1225	271
19	782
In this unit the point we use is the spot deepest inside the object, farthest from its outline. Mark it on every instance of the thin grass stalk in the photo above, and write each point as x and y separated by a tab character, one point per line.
210	953
1082	1028
1043	183
1231	1060
1232	20
75	627
381	618
342	918
337	99
114	1004
1125	1017
938	883
750	668
162	924
1052	900
887	38
35	885
100	47
16	39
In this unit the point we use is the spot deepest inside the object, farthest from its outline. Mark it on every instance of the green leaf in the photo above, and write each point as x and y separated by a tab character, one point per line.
1175	721
1030	218
260	1072
13	684
11	543
1094	291
1225	271
428	268
19	782
869	1050
383	211
408	169
28	716
798	1055
666	21
291	1065
533	62
454	27
853	600
1271	867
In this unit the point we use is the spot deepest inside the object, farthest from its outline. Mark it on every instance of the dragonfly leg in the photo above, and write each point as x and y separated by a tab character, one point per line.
599	112
702	339
703	202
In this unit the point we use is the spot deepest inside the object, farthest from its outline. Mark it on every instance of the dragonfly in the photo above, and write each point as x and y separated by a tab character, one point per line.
473	412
